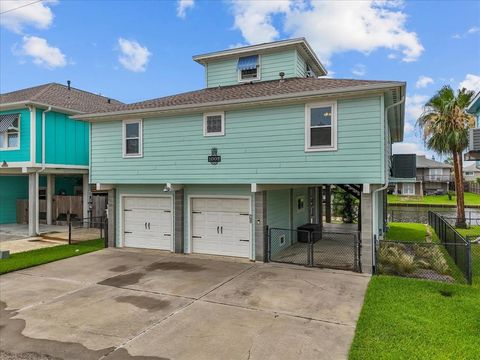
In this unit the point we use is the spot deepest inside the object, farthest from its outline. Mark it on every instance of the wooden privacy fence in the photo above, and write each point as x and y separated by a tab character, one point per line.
61	206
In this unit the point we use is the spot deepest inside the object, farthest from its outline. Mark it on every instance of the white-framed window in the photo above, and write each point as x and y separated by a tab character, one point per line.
214	124
10	132
321	126
469	173
435	174
408	189
248	68
132	138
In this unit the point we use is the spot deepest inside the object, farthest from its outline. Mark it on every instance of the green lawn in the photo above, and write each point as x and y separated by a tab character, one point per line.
42	256
417	319
406	231
470	199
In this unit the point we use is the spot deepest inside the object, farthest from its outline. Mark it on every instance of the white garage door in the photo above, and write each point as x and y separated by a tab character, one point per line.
148	222
221	226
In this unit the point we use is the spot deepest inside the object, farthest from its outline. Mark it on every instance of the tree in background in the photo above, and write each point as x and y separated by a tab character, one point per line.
445	125
345	206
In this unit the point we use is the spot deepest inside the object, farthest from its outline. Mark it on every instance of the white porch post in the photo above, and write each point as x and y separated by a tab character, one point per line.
33	225
86	195
50	190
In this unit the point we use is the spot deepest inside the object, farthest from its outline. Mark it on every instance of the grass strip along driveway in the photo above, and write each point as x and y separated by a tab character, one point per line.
470	199
31	258
417	319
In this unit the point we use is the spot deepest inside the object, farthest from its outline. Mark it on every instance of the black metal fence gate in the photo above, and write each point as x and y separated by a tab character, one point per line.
334	250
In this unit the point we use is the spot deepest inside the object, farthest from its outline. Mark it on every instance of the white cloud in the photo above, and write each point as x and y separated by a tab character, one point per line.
414	106
42	52
423	81
133	56
17	14
471	82
359	70
473	30
408	128
182	6
470	31
330	26
254	19
408	148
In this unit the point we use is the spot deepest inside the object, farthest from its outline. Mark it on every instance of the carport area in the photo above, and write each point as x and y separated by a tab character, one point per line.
148	304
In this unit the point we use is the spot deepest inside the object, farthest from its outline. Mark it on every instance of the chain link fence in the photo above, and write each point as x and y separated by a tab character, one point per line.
335	250
456	245
92	228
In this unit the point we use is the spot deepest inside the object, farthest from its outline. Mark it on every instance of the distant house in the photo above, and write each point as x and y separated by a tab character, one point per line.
43	151
471	172
431	177
473	152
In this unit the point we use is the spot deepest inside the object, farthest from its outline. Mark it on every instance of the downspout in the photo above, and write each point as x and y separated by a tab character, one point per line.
374	210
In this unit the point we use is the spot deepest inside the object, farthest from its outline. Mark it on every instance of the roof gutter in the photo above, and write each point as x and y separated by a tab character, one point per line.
19	104
257	101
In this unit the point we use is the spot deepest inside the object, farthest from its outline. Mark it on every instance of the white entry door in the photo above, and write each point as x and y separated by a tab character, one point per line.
221	226
148	222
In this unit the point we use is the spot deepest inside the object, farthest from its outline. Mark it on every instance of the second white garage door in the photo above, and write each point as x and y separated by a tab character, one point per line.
148	222
221	226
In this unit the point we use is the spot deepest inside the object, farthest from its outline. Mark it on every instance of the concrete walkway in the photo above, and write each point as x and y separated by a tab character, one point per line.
142	304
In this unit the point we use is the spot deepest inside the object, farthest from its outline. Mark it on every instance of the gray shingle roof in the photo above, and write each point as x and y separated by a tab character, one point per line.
251	91
423	162
58	95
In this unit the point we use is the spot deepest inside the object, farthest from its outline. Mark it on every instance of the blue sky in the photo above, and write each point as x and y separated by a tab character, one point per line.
135	50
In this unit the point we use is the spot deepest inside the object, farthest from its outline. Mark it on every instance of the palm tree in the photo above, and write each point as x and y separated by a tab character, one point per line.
445	125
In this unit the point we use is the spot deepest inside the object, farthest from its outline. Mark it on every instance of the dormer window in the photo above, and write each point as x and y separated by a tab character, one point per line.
248	68
10	131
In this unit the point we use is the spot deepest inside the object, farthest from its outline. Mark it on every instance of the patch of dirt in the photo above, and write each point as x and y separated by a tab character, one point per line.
174	265
16	346
143	302
123	280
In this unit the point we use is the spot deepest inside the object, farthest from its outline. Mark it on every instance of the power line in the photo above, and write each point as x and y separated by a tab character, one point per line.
19	7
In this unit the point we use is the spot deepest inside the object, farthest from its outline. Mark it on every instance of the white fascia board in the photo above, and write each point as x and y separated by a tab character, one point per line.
40	105
299	96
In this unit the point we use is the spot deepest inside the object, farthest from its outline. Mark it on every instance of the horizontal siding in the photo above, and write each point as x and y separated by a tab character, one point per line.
224	72
260	146
22	154
301	67
67	140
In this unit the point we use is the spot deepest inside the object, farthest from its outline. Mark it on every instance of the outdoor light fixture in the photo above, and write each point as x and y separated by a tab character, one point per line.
4	164
167	188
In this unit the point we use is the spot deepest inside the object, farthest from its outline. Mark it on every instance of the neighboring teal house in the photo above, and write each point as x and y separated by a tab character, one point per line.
474	140
206	171
43	152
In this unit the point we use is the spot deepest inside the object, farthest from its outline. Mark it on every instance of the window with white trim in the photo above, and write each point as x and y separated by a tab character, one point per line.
10	132
214	124
248	68
408	189
320	127
132	138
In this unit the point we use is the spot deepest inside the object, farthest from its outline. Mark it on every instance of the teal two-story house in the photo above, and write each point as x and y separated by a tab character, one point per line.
43	151
210	171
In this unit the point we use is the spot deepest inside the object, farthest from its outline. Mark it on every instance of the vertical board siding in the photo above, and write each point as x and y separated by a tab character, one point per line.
300	217
67	140
11	189
278	209
261	145
22	154
224	72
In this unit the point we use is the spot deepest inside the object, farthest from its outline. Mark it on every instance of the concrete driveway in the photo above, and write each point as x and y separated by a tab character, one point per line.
142	304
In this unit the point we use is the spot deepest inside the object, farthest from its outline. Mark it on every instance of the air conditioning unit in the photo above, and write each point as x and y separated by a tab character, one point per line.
474	140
